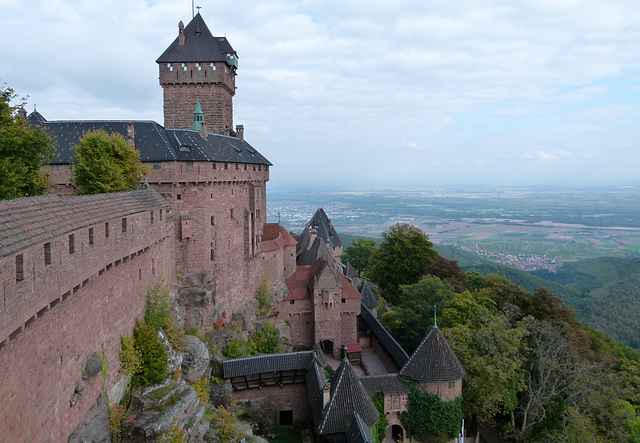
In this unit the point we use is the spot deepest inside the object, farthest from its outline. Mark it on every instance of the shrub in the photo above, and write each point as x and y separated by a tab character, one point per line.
130	358
263	298
153	355
238	348
117	414
174	335
174	434
159	305
201	386
267	339
224	421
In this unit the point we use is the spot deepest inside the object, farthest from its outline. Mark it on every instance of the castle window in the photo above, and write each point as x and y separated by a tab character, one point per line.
47	254
170	66
153	266
178	197
124	225
237	166
151	217
344	300
160	214
139	274
19	267
72	243
198	67
259	167
213	66
231	212
212	256
214	165
90	236
452	384
245	166
212	221
184	66
106	230
226	166
189	166
157	165
292	302
54	167
254	167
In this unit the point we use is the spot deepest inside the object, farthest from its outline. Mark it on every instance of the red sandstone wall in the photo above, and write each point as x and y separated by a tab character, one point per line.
443	390
180	102
41	365
300	317
288	397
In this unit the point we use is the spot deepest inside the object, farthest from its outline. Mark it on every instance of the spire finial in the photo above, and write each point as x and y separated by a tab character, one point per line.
435	316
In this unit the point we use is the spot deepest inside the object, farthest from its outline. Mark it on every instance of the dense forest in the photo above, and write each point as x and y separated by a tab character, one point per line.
535	372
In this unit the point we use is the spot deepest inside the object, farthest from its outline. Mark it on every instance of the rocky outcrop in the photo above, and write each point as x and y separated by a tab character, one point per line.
95	426
159	407
195	362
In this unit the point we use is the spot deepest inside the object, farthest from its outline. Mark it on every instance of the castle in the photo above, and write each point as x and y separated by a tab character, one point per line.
74	271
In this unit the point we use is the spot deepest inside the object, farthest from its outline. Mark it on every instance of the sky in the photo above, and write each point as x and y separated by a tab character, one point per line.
355	93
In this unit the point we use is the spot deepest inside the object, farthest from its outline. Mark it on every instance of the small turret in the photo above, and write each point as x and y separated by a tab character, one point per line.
198	116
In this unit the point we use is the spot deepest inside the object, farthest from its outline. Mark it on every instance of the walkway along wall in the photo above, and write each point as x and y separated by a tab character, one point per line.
74	274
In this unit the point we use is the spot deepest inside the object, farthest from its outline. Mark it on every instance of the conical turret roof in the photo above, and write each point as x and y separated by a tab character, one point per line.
433	361
347	396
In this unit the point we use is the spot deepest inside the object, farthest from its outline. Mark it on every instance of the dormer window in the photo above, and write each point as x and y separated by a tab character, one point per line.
185	148
213	66
198	66
170	66
184	66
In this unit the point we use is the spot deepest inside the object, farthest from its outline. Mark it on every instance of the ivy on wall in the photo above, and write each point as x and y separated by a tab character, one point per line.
427	415
379	430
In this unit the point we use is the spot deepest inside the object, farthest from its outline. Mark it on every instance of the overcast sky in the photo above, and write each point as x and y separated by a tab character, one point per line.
398	92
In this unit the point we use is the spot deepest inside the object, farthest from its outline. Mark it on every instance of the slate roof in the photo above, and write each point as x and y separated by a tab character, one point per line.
393	348
368	299
358	431
348	291
347	396
388	384
199	46
433	360
321	223
154	142
315	381
308	253
29	221
266	363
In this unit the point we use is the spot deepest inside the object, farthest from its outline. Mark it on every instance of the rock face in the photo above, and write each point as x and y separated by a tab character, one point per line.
95	426
195	360
157	408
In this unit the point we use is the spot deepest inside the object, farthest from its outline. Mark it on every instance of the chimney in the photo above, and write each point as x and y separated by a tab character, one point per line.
181	33
203	130
22	113
130	134
326	394
312	237
240	132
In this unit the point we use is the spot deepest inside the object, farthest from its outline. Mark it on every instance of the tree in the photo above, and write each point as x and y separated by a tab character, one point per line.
359	254
449	272
401	259
23	151
106	163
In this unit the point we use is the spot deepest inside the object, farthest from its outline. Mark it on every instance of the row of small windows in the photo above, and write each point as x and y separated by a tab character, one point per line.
72	245
158	165
183	66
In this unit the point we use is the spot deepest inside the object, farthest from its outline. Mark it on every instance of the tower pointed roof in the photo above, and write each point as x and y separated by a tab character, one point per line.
199	45
347	396
368	299
321	223
433	360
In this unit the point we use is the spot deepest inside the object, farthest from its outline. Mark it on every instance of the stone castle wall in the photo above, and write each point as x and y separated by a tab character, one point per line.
54	320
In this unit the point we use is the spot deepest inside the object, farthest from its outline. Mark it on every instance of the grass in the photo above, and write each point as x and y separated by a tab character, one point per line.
288	435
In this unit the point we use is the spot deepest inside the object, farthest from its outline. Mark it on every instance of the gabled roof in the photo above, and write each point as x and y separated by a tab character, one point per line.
347	396
276	237
368	299
321	223
199	46
348	291
28	221
308	252
154	142
387	384
267	363
433	360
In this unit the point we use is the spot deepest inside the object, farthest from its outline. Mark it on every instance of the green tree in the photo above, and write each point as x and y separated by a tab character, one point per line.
153	356
106	163
267	339
401	259
359	254
412	317
23	151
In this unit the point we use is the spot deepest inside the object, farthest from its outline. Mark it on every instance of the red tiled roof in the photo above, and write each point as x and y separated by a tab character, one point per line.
298	283
276	237
348	291
354	347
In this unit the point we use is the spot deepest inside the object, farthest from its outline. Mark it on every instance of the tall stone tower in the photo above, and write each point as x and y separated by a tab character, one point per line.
198	66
